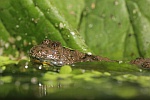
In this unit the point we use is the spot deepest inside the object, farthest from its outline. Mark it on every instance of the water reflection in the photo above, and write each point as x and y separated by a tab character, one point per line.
44	90
81	84
27	90
80	88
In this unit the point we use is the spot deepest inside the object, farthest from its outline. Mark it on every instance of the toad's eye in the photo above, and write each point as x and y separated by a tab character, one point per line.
56	44
46	41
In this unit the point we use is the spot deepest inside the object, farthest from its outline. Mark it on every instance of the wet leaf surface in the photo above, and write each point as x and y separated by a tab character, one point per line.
116	29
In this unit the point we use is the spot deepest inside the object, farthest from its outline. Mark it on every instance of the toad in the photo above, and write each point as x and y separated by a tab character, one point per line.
54	54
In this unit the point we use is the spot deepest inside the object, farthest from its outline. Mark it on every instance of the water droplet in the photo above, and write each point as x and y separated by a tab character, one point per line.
89	53
93	5
90	25
120	62
6	45
17	26
140	70
40	84
26	34
26	66
134	11
19	18
29	43
60	62
34	80
40	67
18	38
46	37
116	2
73	33
61	25
113	17
35	20
32	19
11	40
84	49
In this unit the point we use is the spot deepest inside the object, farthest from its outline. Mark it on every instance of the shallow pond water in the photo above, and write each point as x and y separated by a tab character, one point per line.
88	80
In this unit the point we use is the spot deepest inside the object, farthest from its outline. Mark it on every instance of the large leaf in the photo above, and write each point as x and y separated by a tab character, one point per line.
140	20
112	28
33	20
117	28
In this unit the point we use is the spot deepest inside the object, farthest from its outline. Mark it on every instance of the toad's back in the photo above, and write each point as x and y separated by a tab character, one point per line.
53	53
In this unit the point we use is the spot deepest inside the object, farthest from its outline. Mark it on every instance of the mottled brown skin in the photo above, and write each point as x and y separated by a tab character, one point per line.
54	54
142	62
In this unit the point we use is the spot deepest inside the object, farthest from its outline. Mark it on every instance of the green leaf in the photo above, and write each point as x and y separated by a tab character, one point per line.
71	10
111	28
140	21
30	21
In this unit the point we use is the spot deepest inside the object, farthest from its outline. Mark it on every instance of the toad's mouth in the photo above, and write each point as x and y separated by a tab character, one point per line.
39	61
50	62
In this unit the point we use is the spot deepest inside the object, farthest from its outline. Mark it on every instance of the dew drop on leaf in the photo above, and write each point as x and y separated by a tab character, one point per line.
93	5
19	18
113	17
72	33
17	26
120	62
26	34
116	2
40	84
61	25
6	45
40	67
32	19
90	25
89	53
34	80
18	38
26	66
134	11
